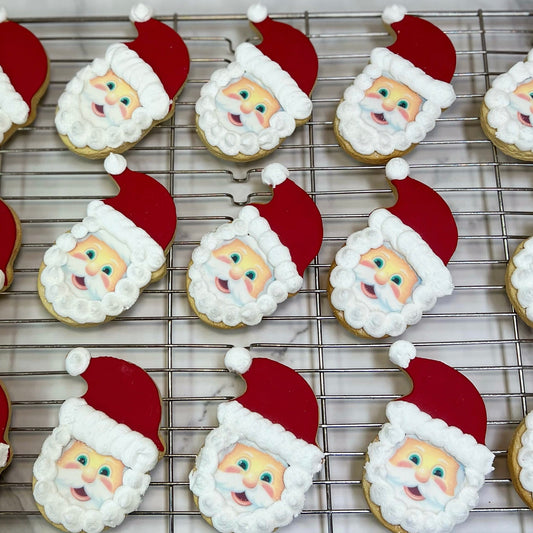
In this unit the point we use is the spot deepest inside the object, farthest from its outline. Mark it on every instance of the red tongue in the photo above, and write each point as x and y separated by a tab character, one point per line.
241	496
81	492
414	491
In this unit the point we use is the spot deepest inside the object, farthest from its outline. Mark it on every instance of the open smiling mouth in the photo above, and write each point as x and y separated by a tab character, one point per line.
79	282
235	119
524	119
379	118
80	494
413	493
368	290
222	285
240	498
98	109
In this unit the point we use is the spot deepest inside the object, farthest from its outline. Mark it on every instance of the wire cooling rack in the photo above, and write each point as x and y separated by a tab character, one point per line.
474	330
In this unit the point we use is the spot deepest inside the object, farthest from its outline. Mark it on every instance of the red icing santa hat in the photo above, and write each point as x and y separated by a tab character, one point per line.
5	417
278	411
24	61
422	57
120	413
444	408
292	215
9	244
155	64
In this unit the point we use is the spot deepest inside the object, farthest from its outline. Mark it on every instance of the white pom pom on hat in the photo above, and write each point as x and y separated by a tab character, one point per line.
238	359
141	13
77	361
3	14
274	174
397	169
401	353
257	13
115	164
393	13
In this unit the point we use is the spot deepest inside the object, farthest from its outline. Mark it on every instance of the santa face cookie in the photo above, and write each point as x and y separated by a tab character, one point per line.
519	280
24	76
507	111
98	269
395	101
429	461
113	102
9	244
94	468
256	466
519	460
247	109
6	453
244	269
389	273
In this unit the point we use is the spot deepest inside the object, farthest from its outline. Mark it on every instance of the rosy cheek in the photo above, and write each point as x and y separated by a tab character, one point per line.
373	95
234	96
404	113
106	281
395	289
440	483
106	482
72	464
524	96
232	469
248	283
79	255
260	118
365	262
405	464
123	110
223	258
100	86
268	489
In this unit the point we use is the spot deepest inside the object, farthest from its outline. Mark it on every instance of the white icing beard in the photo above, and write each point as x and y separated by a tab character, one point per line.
60	507
396	508
75	118
504	106
146	257
13	109
253	430
365	135
525	455
522	277
361	312
250	227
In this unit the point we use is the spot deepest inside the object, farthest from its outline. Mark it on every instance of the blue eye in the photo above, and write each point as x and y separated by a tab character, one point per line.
403	103
531	95
415	458
397	280
105	471
244	94
243	463
384	92
125	100
266	477
235	257
261	108
379	262
82	459
107	270
251	274
438	471
111	85
90	253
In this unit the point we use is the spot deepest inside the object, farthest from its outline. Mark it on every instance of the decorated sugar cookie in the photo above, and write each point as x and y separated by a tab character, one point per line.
248	108
507	110
244	269
9	243
256	466
24	76
6	454
395	101
113	102
520	460
97	270
519	280
94	468
428	463
389	273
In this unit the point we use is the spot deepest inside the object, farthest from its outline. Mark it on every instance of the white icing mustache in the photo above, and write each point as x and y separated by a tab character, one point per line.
228	482
385	297
396	122
95	286
226	105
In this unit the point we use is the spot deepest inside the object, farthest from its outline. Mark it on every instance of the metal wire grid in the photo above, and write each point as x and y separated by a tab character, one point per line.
474	330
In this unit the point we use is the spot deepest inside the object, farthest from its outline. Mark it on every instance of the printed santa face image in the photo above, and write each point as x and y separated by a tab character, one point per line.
246	105
384	279
87	478
236	272
521	103
249	479
390	105
93	267
424	476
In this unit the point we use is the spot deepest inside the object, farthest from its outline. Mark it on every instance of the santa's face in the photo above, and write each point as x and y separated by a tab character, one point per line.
86	478
249	479
521	103
237	273
93	268
384	279
389	105
108	100
422	475
245	105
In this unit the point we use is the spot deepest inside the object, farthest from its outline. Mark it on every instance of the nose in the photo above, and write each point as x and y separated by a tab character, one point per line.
381	277
249	482
247	106
422	475
88	475
388	105
235	273
111	98
91	268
